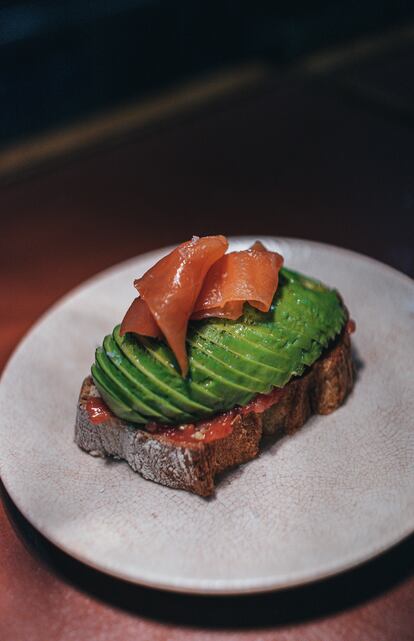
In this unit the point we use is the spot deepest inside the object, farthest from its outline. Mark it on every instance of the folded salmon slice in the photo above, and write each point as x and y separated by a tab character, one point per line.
198	280
169	290
139	320
244	276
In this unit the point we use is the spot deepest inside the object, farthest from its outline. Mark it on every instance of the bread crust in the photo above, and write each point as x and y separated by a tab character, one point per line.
193	467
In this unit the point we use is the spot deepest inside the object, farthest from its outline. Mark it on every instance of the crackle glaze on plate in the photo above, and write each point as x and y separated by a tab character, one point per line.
337	493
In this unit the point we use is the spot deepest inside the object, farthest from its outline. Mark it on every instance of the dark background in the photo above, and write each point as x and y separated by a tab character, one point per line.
62	60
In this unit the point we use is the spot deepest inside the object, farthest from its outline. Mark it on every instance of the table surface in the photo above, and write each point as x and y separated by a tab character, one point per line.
293	158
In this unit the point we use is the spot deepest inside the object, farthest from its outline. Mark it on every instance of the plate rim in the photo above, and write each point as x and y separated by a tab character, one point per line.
219	587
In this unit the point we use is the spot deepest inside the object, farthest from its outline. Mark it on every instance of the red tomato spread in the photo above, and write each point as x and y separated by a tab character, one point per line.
218	427
205	431
98	411
350	326
201	432
262	402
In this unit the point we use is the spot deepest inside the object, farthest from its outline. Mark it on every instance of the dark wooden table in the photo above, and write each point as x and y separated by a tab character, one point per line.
295	158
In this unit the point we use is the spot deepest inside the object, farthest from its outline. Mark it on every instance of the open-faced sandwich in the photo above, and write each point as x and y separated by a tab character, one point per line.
218	350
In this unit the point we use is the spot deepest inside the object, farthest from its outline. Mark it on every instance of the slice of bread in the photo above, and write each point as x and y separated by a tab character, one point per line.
193	466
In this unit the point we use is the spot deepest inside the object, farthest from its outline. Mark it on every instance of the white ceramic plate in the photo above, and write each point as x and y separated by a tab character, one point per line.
336	494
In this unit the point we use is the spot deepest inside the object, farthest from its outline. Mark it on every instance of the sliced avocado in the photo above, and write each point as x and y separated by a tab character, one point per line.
229	361
308	301
159	408
271	338
288	364
218	378
198	393
130	392
254	372
165	382
232	394
285	345
258	356
115	403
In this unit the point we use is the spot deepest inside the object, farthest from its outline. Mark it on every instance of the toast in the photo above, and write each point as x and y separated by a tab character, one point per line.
193	466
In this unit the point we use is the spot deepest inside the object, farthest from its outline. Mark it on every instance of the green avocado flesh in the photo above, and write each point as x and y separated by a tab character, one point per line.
229	361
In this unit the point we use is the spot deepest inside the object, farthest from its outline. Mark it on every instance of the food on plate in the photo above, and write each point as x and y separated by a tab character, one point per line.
217	350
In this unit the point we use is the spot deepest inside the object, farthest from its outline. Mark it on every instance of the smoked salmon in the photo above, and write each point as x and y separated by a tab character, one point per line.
250	275
139	320
170	289
198	280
